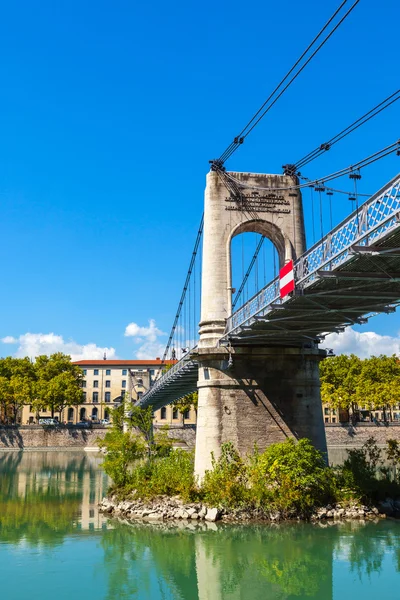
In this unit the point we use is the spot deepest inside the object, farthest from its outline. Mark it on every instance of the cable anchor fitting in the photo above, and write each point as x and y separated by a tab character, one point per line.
216	164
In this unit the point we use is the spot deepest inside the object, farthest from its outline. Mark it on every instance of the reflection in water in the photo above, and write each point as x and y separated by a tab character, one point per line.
50	526
46	495
246	562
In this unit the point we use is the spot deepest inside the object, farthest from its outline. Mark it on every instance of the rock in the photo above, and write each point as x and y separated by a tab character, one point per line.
194	516
212	515
275	516
190	512
203	512
329	514
386	507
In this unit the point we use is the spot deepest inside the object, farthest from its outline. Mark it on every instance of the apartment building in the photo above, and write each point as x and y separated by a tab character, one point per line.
104	385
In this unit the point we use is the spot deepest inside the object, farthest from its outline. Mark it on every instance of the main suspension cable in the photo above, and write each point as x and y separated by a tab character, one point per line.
392	148
271	100
345	132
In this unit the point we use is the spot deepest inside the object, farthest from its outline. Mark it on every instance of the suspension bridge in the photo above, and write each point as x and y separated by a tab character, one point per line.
256	367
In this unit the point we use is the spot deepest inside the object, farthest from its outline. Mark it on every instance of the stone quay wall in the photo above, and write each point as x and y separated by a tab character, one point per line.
338	435
38	436
345	435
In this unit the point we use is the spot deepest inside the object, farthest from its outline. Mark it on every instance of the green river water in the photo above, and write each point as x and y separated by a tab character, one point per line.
55	545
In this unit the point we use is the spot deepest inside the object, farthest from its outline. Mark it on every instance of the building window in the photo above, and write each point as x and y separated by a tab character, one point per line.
163	413
326	411
95	371
94	413
107	397
70	415
124	383
124	371
151	372
108	372
82	414
84	397
186	414
334	411
175	413
106	414
84	371
333	419
139	395
83	383
122	394
96	383
108	383
95	397
140	381
326	419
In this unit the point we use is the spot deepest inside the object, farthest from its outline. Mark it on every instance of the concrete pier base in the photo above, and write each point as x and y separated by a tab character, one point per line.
265	396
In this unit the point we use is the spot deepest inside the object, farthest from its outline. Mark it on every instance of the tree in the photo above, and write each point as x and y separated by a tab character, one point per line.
17	385
185	403
23	392
58	383
142	419
379	382
60	391
339	380
5	397
348	381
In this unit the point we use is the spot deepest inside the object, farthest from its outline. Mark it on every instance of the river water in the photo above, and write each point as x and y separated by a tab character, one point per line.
55	545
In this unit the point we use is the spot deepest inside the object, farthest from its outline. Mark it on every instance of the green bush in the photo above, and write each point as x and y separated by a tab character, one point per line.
291	477
122	450
226	483
363	475
169	475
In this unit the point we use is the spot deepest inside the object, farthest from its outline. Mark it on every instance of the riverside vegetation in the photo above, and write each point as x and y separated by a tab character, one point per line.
288	480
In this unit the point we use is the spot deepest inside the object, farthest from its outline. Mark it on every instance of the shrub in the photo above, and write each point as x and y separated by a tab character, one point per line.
363	476
122	450
168	475
291	477
226	483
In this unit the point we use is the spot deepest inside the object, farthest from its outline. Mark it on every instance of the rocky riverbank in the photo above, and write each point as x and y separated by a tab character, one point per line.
174	509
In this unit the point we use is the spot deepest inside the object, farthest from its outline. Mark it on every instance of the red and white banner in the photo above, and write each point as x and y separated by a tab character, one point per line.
286	279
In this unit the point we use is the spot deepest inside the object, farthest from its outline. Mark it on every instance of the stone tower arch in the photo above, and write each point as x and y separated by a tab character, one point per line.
271	208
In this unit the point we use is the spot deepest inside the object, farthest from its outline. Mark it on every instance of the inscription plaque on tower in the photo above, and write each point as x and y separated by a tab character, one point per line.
267	202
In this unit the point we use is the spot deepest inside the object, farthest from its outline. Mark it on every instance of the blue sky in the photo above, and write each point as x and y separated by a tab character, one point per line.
109	114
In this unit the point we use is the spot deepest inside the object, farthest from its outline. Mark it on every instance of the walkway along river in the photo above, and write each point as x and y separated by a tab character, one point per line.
54	544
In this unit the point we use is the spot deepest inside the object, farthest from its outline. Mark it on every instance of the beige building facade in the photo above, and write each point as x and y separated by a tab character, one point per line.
104	385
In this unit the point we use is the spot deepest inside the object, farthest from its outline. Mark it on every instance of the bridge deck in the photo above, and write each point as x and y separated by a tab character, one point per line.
351	274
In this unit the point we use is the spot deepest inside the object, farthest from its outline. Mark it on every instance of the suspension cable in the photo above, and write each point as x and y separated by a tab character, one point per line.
345	132
245	278
271	100
392	148
185	288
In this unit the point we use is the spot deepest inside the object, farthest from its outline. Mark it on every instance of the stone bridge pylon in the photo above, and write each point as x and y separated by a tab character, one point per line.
252	393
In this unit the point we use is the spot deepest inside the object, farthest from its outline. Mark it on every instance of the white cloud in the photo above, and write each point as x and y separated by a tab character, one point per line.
150	333
148	337
363	344
34	344
9	339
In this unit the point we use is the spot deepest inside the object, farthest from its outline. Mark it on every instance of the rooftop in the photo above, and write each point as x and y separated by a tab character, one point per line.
123	363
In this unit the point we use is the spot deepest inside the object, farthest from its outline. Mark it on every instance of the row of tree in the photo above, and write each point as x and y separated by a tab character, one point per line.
50	383
349	382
